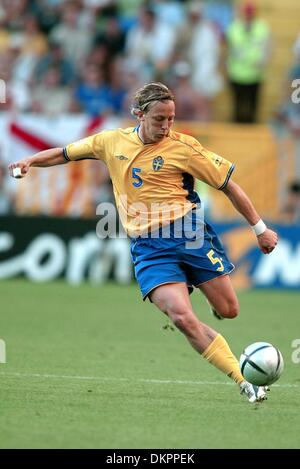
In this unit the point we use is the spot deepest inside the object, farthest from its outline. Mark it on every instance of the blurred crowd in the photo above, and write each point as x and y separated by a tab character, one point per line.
88	56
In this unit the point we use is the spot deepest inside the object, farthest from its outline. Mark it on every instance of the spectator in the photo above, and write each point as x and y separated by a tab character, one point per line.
15	10
190	105
248	52
117	90
50	97
149	46
28	46
112	37
55	58
34	41
291	208
18	97
92	93
99	57
4	33
75	40
47	12
127	10
198	43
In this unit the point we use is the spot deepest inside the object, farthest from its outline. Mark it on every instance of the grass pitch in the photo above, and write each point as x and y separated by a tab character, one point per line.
93	367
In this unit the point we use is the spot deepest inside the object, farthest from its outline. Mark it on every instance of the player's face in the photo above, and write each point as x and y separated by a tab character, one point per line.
156	123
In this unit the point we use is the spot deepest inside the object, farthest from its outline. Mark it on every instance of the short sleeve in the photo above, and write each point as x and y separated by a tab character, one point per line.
87	148
209	167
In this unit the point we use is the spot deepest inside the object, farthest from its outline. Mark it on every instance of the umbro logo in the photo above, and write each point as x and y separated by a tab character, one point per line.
218	160
121	157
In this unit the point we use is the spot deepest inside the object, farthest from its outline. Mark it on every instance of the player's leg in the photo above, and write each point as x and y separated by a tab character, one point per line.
173	299
221	296
208	268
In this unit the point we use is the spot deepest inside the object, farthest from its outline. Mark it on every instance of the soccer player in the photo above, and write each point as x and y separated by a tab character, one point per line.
173	248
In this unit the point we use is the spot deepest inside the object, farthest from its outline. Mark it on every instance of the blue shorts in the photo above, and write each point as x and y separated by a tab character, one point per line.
160	260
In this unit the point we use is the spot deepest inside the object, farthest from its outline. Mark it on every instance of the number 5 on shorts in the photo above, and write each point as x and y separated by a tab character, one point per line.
215	260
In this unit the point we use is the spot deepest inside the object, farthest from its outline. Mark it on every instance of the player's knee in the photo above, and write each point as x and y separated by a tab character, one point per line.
185	323
182	317
231	310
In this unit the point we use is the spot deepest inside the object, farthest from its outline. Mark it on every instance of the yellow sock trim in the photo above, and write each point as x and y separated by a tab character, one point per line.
219	354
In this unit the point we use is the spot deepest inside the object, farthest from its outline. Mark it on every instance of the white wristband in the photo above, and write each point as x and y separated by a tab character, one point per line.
259	228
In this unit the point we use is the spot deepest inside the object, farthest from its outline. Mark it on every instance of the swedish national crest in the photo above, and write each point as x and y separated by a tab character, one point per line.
157	163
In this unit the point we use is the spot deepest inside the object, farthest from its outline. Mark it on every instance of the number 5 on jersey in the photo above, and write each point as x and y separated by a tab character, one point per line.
215	260
138	180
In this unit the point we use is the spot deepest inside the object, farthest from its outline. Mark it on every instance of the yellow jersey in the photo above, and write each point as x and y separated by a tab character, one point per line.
153	183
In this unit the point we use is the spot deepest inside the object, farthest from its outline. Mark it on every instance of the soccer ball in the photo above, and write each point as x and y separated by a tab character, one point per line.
261	363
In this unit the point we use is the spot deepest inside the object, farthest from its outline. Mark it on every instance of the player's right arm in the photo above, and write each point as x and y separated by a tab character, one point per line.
42	159
91	147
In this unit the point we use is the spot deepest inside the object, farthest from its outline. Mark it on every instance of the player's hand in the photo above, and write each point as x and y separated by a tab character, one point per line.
24	166
267	241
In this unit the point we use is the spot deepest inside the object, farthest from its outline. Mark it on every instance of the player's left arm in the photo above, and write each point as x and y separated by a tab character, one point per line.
266	238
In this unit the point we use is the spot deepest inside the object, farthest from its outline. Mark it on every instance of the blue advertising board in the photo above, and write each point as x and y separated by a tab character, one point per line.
46	248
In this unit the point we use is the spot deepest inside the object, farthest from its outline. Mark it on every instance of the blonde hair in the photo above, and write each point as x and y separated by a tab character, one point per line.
148	94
